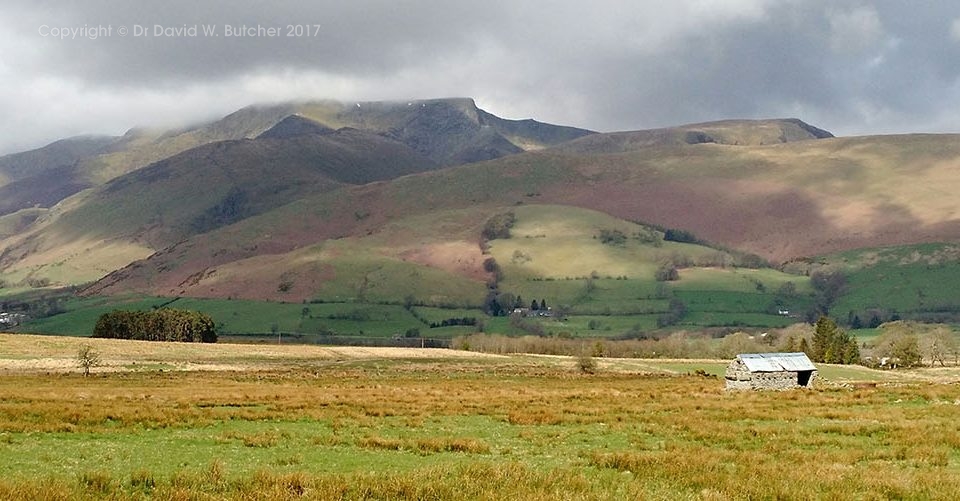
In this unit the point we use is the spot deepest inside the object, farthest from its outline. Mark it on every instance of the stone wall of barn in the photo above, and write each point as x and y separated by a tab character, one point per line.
738	377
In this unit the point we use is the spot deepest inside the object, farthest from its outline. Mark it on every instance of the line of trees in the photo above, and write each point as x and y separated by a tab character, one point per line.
454	321
164	324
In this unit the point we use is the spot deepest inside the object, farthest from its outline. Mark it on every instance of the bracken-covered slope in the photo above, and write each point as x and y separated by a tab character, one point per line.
205	188
779	201
44	176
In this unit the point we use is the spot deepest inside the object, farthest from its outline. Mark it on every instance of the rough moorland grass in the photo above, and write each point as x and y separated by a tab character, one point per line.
444	429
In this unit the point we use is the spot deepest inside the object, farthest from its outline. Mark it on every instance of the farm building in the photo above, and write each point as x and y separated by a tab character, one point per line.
770	371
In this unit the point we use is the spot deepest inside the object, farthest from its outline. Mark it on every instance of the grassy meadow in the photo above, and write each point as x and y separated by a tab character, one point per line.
322	423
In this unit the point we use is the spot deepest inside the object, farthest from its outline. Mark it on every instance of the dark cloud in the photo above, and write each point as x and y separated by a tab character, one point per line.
851	67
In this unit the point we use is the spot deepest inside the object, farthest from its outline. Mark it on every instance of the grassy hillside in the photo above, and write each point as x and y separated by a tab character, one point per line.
590	264
13	224
360	286
205	188
914	281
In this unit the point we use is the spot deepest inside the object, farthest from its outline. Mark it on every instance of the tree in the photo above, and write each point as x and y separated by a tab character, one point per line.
491	266
675	235
675	312
856	323
87	358
507	301
899	342
498	226
667	273
906	350
832	344
829	286
490	304
939	343
736	343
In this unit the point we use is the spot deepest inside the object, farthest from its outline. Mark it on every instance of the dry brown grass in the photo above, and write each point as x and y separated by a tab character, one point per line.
530	428
595	437
21	352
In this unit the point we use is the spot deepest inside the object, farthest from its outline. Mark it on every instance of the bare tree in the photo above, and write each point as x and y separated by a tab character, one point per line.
937	343
87	358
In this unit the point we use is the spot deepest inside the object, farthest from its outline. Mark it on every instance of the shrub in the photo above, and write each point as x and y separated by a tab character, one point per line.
586	364
667	273
613	237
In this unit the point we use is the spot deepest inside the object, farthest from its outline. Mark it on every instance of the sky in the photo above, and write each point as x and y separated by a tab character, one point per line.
851	67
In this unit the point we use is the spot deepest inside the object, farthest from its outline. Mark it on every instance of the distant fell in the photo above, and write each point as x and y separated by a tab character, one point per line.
444	131
58	154
295	126
728	132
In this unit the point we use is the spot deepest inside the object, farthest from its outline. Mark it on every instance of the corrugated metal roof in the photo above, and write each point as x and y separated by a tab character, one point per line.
775	362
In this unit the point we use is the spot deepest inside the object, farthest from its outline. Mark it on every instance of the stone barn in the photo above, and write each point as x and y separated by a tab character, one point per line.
770	371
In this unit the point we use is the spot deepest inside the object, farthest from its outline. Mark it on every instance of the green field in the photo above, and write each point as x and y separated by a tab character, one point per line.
914	281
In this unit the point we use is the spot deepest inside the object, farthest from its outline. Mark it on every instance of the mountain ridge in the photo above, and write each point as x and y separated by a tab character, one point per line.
313	174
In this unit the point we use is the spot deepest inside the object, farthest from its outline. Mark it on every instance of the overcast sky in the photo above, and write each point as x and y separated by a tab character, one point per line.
846	66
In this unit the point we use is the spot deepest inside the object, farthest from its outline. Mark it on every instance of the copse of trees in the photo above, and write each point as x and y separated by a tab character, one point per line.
165	324
833	345
682	236
498	226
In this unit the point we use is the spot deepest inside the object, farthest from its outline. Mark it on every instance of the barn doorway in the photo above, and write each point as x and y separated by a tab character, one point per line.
803	378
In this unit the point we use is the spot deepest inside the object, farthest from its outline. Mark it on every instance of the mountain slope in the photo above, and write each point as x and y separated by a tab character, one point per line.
729	132
208	187
59	154
447	131
781	201
310	178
